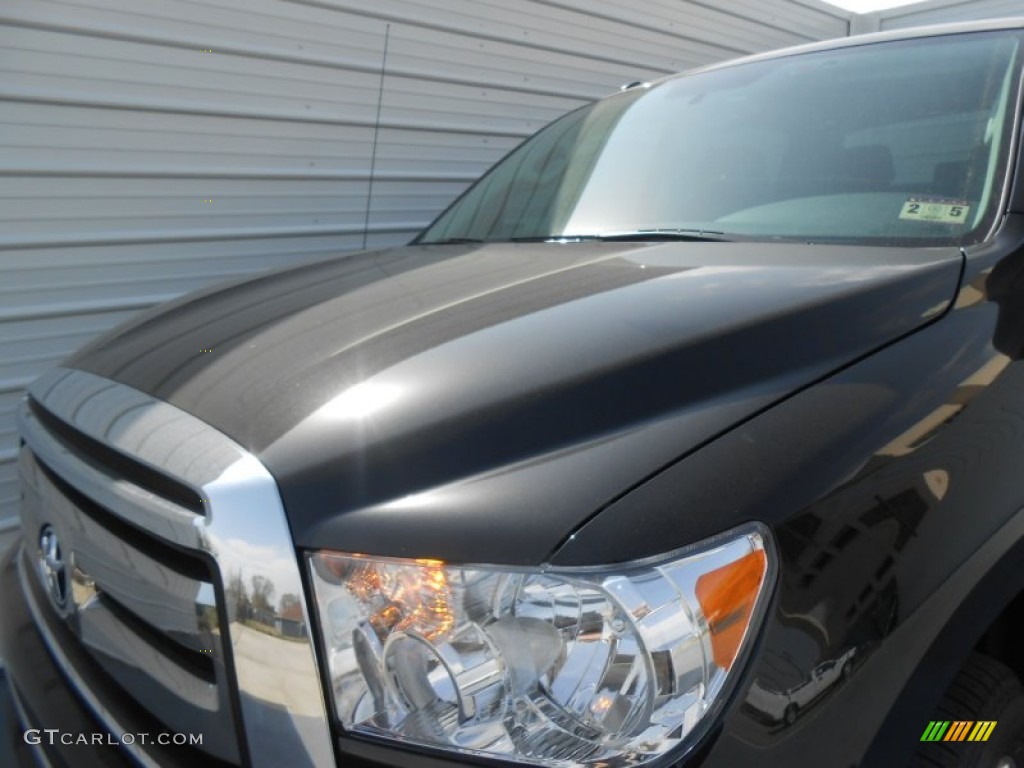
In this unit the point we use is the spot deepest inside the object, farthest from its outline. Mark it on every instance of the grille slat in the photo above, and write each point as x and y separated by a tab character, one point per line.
143	509
143	669
168	590
117	464
197	662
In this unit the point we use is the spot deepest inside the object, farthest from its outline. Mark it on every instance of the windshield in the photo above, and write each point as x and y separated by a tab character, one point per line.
897	143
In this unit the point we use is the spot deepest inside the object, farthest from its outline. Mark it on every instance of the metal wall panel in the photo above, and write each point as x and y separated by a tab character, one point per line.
943	11
153	147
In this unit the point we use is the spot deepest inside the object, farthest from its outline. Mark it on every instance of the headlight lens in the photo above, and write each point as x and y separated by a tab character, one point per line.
566	667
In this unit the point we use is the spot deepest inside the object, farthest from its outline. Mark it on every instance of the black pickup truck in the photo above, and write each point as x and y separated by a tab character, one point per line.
692	434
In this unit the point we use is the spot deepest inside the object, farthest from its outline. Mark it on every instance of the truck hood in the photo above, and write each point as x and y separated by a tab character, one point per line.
480	402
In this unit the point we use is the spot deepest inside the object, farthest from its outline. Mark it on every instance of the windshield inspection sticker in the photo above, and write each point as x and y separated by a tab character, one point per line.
935	209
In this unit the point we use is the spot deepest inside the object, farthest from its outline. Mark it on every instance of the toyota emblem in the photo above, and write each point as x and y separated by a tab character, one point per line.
53	568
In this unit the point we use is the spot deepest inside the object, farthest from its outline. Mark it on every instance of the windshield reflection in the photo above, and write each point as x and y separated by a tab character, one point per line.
899	143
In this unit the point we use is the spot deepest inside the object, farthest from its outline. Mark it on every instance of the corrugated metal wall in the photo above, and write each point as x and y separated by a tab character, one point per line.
152	147
942	11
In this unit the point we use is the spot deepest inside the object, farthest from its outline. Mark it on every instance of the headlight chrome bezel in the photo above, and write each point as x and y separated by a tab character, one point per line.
419	655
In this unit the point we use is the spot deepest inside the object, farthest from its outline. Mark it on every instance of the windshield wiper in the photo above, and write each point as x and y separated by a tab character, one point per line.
639	235
530	239
452	241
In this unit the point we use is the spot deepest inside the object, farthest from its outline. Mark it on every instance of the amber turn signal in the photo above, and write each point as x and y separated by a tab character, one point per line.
727	596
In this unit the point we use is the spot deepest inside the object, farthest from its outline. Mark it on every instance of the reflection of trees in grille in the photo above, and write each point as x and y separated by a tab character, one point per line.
290	606
262	594
206	618
239	605
254	602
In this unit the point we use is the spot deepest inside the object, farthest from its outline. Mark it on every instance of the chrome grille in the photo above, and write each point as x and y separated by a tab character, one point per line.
146	613
156	512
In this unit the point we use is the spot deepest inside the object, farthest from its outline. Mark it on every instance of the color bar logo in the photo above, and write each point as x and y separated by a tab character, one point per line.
958	730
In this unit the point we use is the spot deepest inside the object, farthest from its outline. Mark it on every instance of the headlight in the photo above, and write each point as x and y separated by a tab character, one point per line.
611	666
